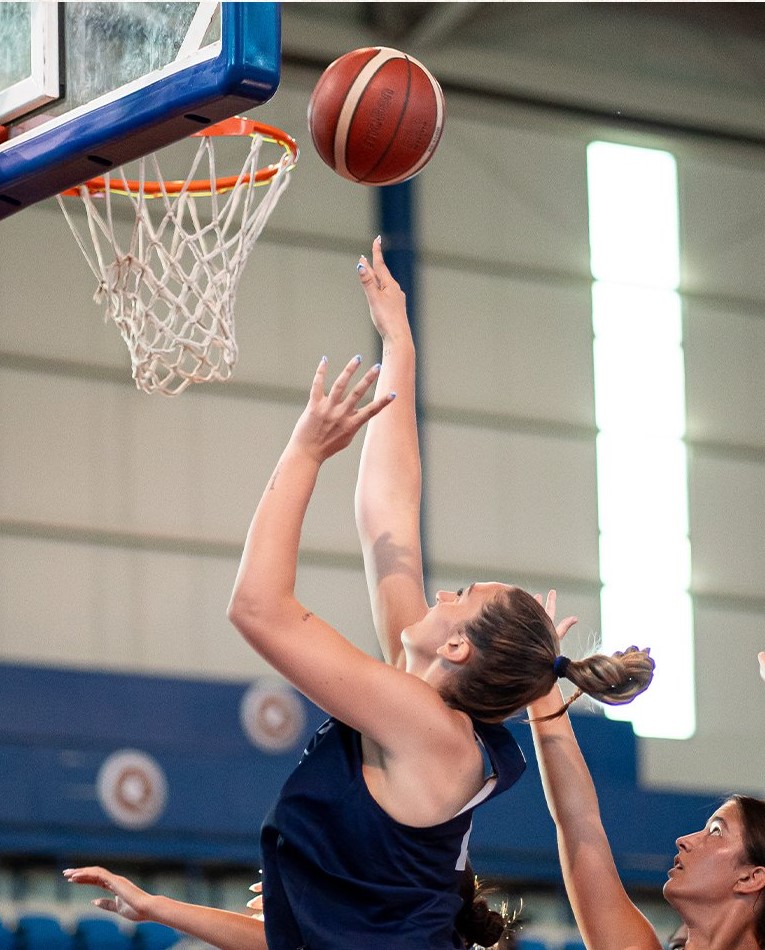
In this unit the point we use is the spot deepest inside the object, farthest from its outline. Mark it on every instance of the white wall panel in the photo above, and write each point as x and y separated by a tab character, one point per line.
727	498
724	754
519	501
94	607
725	373
96	455
296	304
48	306
505	192
722	214
507	346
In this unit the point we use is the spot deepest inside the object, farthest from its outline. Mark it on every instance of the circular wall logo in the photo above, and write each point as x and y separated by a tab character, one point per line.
272	716
132	788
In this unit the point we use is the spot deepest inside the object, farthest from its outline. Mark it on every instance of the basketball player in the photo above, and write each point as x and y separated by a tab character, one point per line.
717	883
366	843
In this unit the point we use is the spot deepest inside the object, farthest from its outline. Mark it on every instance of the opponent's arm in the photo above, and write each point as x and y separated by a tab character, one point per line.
224	929
389	481
606	917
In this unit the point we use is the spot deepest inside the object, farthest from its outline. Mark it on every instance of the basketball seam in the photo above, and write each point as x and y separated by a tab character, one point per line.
323	81
437	130
348	111
379	161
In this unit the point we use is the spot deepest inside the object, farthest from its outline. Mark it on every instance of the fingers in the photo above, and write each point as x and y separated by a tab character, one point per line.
317	386
91	875
564	626
104	903
337	390
382	273
375	276
761	659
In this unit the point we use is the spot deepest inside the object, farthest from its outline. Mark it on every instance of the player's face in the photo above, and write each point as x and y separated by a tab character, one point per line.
709	862
451	611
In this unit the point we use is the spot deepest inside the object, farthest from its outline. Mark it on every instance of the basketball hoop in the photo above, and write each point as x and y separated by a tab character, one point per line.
172	282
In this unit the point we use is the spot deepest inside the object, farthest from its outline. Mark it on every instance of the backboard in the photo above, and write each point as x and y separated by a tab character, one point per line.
85	87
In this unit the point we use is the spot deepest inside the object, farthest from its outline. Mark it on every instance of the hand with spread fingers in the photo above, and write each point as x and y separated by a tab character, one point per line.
222	929
128	900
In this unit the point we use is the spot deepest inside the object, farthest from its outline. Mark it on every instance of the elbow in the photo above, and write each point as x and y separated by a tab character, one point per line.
247	615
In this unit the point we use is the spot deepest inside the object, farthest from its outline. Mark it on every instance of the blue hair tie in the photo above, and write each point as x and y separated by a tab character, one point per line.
560	665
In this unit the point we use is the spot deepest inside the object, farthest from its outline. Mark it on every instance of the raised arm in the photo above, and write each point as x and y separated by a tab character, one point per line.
223	929
606	917
389	482
340	678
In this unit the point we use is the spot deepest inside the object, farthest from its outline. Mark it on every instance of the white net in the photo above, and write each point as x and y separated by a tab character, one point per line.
168	278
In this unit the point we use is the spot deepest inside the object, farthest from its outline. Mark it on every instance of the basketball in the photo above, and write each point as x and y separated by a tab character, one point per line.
376	116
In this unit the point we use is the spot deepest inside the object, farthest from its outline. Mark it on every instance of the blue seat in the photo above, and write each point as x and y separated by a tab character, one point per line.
150	936
39	932
531	944
7	938
574	945
97	933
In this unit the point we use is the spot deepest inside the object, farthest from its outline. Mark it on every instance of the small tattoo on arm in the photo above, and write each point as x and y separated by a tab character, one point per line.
307	615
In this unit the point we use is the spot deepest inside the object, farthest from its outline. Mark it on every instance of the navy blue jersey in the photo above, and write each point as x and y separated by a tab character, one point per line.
340	874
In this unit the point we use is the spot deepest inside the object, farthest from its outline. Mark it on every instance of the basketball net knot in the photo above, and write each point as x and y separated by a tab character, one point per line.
171	285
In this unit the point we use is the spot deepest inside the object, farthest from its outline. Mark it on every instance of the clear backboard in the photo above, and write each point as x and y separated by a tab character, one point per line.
85	87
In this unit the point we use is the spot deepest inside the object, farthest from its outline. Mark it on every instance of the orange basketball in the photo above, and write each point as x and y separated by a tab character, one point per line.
376	116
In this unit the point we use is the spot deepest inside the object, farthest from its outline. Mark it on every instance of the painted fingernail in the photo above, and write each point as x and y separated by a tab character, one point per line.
323	359
378	239
360	267
358	357
391	396
377	367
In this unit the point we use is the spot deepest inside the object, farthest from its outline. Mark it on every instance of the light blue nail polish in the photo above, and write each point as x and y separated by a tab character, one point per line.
324	359
360	267
377	367
391	395
358	357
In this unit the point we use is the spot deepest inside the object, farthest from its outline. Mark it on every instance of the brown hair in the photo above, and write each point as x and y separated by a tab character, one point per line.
752	811
512	664
476	923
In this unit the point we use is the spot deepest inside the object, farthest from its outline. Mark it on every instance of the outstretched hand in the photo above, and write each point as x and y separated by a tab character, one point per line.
550	605
387	301
128	899
330	420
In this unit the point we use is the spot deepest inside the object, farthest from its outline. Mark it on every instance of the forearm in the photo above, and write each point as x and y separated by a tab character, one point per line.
568	786
389	471
606	917
223	929
267	571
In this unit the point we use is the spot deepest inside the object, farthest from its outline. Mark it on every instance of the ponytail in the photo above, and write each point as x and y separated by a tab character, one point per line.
614	680
477	924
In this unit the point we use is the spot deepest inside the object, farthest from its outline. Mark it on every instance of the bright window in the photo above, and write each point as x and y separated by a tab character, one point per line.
645	556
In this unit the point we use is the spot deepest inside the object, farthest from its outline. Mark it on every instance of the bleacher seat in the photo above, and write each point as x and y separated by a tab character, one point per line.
150	936
94	933
529	943
39	932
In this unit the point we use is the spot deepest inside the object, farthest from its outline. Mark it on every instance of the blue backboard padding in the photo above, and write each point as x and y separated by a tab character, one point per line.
245	74
57	726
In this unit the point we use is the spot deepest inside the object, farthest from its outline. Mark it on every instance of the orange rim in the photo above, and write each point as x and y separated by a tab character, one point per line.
236	125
